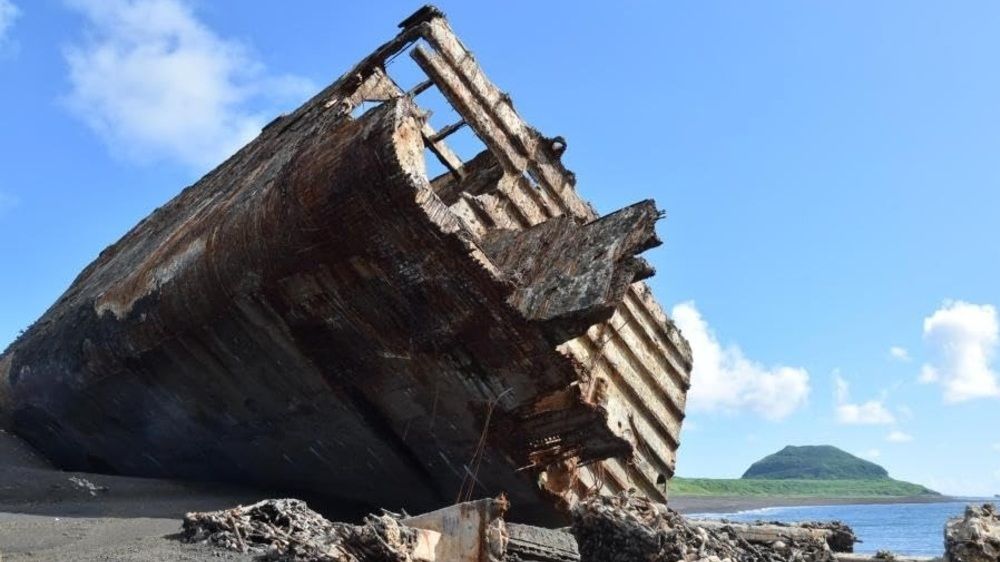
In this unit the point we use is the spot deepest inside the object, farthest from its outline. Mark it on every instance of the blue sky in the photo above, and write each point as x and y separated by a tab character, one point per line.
829	172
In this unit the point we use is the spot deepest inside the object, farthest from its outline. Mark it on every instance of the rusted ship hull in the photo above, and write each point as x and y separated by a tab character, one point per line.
318	315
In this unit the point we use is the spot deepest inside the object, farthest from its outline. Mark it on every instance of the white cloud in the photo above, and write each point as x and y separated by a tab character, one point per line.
872	412
157	83
896	436
927	374
872	454
899	353
962	339
996	447
8	13
724	380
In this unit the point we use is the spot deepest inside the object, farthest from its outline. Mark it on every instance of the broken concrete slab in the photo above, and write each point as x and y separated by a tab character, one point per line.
765	533
527	543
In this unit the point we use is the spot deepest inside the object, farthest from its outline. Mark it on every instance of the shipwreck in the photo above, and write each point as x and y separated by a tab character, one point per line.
319	315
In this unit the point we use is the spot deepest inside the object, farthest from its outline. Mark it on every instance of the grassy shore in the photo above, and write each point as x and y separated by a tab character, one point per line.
871	488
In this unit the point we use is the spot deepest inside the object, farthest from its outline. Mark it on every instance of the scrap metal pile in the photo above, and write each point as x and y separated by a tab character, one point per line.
287	530
621	528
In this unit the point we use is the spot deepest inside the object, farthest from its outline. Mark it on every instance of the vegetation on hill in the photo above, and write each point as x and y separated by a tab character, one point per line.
809	471
814	462
864	488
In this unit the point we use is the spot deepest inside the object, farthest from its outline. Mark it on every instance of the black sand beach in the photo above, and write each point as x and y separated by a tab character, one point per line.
48	514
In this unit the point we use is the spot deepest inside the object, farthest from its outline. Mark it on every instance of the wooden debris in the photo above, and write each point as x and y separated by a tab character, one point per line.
287	530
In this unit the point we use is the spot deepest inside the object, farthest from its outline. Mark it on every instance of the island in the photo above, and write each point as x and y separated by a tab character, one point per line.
798	475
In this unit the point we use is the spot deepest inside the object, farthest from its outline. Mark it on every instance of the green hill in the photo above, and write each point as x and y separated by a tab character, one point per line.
871	488
814	462
809	471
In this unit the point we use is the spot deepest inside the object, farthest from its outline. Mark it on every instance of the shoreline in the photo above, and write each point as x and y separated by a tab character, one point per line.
731	504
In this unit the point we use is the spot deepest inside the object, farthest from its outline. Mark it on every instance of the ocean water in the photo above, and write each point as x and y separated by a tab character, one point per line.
915	529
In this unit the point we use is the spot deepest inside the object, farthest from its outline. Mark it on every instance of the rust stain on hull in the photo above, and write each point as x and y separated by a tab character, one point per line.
316	314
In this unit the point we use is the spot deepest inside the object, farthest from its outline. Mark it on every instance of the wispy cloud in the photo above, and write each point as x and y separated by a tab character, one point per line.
725	380
896	436
157	83
899	353
8	14
962	339
872	412
872	454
